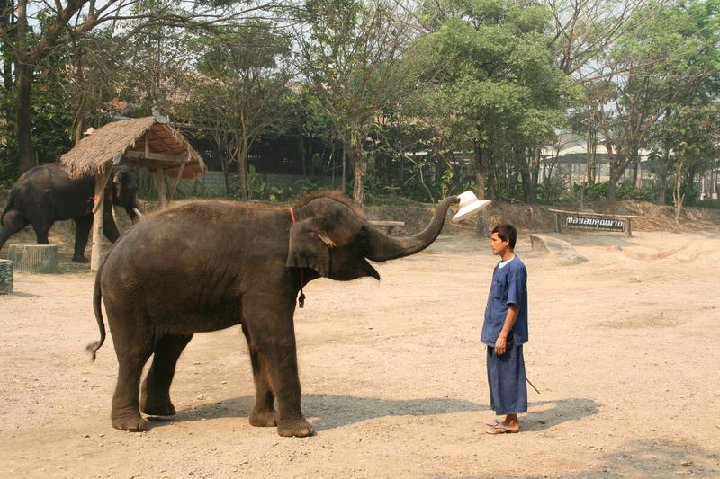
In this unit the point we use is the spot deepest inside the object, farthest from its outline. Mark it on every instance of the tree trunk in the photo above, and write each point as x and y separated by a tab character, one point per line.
615	174
480	173
661	185
678	196
307	172
662	179
226	177
5	49
79	117
359	172
592	157
242	168
23	111
333	166
344	166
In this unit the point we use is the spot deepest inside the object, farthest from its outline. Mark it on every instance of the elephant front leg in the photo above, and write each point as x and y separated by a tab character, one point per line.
282	358
155	391
276	359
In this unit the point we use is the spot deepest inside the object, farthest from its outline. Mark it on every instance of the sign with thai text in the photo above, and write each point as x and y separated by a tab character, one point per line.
595	223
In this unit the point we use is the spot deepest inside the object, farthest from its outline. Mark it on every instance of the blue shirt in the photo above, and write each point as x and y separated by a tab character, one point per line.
509	286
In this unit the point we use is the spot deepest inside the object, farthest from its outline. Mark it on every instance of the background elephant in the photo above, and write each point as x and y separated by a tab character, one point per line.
205	266
46	194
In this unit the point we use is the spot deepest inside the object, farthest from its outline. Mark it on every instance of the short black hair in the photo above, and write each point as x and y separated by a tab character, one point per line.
506	233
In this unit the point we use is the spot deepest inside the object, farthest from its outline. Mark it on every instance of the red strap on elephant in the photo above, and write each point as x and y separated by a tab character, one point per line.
301	299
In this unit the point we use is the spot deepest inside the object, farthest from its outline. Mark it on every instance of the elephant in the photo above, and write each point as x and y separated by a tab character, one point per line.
47	193
207	265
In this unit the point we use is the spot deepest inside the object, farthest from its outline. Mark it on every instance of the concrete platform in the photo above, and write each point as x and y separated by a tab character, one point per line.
552	245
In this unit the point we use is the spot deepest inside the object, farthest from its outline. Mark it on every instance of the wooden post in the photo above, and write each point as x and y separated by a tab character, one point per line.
99	244
483	224
34	258
628	227
162	193
173	187
557	223
6	276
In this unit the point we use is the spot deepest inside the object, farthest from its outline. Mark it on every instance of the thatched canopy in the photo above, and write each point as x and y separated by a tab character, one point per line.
141	142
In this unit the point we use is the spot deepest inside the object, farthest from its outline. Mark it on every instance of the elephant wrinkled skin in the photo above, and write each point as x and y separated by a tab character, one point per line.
46	194
204	266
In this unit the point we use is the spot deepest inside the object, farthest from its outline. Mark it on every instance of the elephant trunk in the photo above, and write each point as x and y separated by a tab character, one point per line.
386	247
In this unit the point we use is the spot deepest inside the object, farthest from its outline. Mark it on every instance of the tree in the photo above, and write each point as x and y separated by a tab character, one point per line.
493	86
350	50
237	90
670	59
582	30
41	27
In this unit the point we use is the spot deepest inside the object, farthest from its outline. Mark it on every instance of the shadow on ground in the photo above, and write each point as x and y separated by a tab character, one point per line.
334	411
656	459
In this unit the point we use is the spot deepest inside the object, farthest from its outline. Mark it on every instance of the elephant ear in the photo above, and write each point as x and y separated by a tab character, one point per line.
309	247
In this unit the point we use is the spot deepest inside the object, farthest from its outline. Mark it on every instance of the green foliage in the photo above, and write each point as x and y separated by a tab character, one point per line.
197	190
551	190
8	170
349	53
485	81
492	83
626	191
663	76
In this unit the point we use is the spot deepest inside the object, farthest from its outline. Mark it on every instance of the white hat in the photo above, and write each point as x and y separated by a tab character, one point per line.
469	203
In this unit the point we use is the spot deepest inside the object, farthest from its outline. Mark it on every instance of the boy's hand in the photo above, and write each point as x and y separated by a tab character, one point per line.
501	345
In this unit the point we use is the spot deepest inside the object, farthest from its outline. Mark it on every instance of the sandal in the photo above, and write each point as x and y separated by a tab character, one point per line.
500	429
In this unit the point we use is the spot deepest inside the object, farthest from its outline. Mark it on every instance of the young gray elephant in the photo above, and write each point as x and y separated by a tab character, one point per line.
46	194
205	266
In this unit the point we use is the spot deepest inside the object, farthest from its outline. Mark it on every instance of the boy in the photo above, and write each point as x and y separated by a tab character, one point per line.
504	331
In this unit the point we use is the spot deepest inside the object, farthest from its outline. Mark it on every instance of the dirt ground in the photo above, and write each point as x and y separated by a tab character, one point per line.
623	349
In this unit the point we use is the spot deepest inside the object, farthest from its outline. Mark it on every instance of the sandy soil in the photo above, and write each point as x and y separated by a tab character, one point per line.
623	349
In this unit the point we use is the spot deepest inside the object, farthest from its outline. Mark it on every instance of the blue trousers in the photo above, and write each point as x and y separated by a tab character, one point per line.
506	376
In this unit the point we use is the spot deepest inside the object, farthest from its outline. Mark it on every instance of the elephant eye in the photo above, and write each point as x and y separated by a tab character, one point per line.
363	235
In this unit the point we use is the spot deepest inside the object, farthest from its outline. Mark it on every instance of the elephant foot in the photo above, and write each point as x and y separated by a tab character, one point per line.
295	428
263	418
130	423
80	259
159	409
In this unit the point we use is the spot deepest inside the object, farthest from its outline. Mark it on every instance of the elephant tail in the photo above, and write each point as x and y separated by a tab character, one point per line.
97	306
